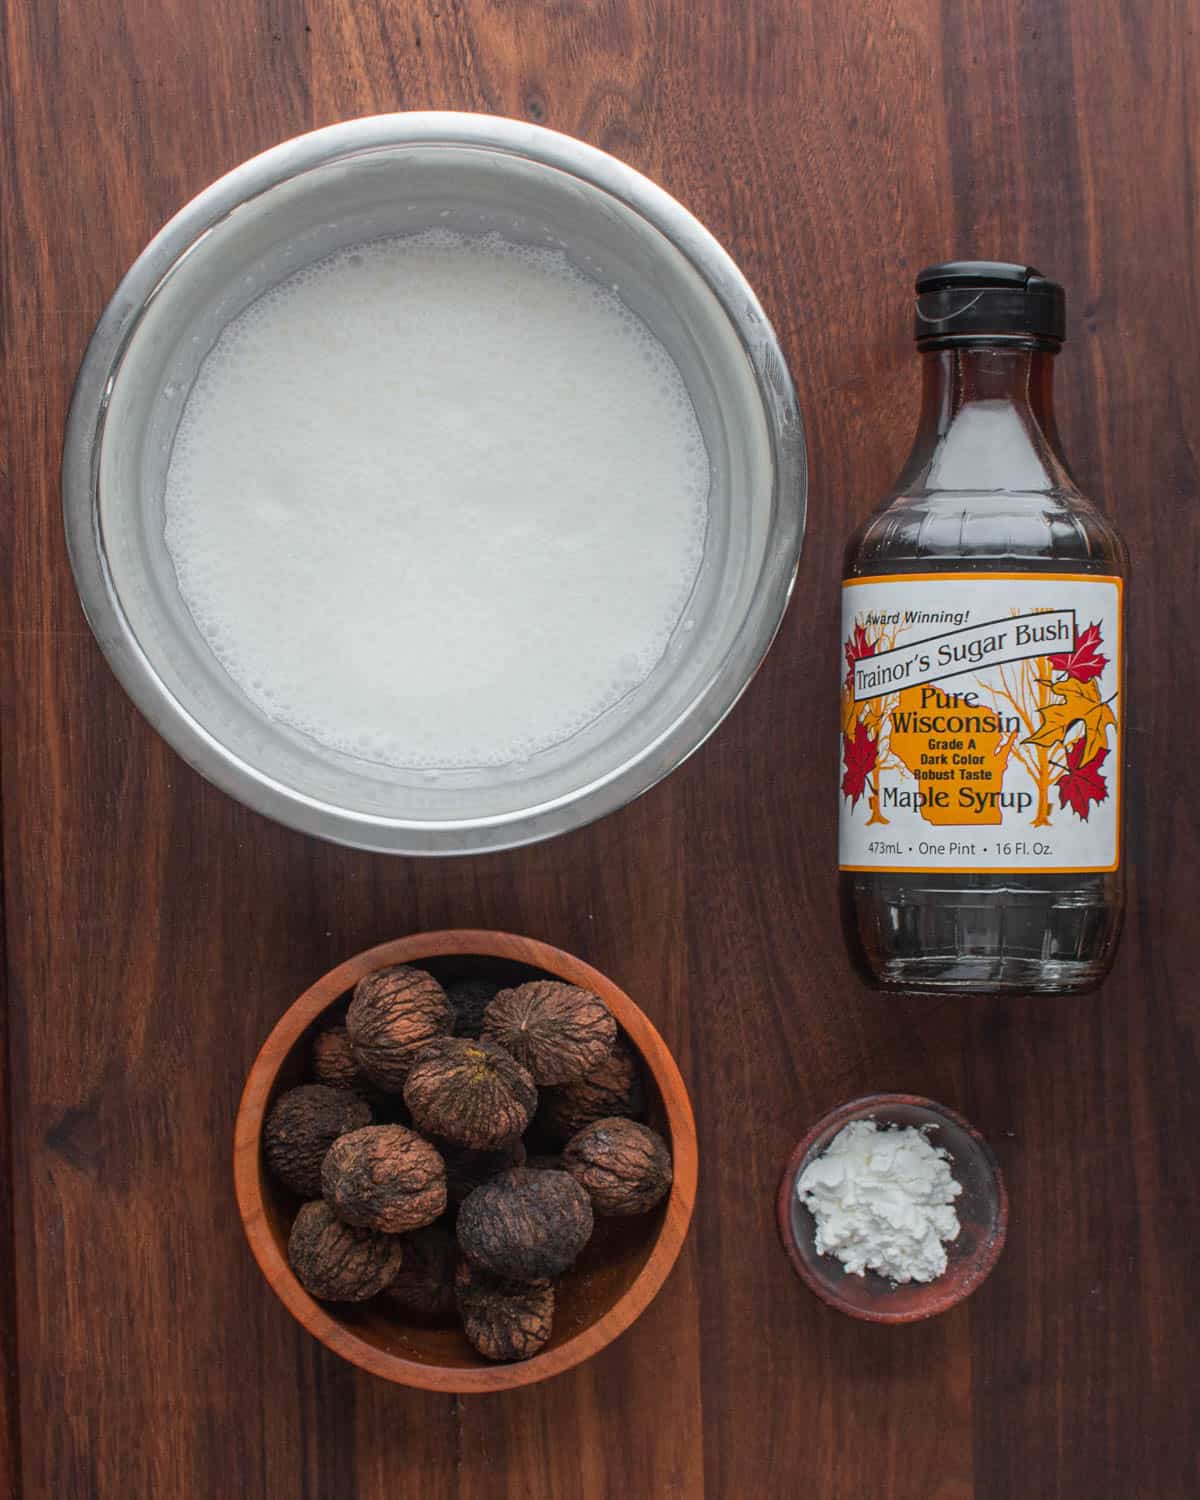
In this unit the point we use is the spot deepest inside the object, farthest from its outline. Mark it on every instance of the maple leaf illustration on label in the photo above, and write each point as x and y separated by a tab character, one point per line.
1081	704
857	647
1082	784
1082	662
858	755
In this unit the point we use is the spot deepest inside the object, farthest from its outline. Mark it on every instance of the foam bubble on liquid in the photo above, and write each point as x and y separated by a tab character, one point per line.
438	501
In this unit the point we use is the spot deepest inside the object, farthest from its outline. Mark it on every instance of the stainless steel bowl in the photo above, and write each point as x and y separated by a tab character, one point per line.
388	175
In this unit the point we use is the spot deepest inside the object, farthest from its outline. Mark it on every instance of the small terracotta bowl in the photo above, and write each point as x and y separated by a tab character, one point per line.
611	1283
982	1211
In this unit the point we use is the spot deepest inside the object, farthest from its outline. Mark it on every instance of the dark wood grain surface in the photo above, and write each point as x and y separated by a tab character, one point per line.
154	930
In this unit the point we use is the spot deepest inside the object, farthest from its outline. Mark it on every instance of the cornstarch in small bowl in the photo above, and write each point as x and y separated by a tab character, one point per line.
883	1200
892	1208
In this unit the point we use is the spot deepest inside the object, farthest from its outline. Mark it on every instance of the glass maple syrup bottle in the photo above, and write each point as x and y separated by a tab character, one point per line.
982	672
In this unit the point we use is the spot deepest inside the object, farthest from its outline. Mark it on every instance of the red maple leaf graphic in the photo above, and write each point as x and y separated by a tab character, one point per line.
1083	784
859	755
1082	662
856	648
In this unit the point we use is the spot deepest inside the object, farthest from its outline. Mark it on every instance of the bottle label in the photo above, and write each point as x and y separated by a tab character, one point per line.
981	722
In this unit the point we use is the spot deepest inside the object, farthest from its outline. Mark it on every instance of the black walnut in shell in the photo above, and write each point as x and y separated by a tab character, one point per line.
424	1283
300	1128
471	1093
467	1169
613	1088
469	998
384	1177
395	1012
625	1167
333	1065
556	1030
503	1320
525	1225
337	1262
333	1062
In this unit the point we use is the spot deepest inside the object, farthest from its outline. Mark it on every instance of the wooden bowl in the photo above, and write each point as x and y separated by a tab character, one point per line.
612	1282
982	1211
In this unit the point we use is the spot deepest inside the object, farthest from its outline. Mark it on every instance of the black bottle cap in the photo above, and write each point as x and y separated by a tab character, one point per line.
963	301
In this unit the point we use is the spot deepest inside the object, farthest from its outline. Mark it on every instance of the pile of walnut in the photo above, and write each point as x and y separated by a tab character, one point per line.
410	1150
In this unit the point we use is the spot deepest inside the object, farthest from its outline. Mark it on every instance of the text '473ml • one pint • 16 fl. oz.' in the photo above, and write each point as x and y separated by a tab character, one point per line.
982	665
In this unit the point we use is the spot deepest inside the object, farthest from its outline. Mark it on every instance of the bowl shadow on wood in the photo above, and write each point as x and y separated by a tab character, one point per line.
613	1279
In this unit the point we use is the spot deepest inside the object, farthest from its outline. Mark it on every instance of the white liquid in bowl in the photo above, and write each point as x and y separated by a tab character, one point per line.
438	501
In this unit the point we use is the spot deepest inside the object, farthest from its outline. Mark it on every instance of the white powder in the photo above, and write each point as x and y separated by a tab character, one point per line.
882	1202
438	501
